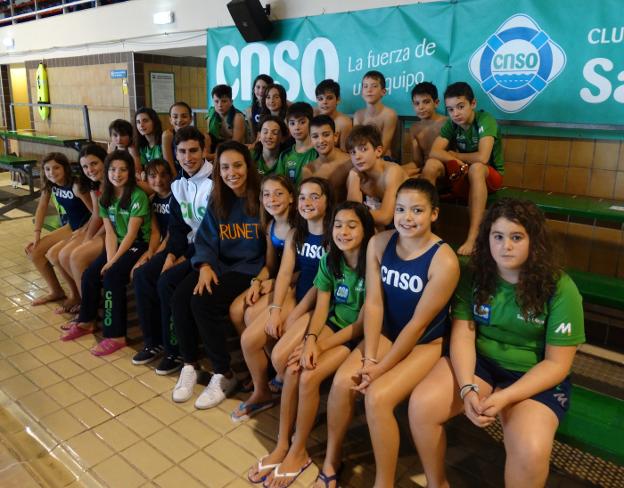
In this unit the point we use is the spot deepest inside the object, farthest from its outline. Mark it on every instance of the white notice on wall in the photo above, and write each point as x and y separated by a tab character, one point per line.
162	87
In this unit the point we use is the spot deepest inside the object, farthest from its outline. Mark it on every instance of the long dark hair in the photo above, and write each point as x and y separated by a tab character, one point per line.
301	225
222	197
335	254
108	192
282	93
283	132
90	150
61	159
267	79
157	130
539	274
265	217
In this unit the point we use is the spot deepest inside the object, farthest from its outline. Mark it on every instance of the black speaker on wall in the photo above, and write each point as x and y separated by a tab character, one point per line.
251	19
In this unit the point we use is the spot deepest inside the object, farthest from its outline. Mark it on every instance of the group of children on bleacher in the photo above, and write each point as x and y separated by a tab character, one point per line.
319	248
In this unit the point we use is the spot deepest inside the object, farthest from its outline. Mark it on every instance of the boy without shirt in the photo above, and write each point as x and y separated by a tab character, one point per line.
292	161
225	122
376	113
469	154
372	180
332	163
424	131
327	99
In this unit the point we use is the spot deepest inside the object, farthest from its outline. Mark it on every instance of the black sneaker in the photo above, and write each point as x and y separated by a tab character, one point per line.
147	355
169	364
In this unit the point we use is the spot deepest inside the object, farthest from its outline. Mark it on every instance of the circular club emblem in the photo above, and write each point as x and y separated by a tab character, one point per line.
516	63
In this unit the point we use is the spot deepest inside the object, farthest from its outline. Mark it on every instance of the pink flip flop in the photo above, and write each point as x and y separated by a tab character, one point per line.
74	332
106	347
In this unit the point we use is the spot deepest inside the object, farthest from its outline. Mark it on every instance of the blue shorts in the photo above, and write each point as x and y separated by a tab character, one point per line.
556	398
431	333
352	344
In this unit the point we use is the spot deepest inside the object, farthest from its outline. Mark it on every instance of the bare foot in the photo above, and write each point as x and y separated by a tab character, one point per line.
466	249
52	297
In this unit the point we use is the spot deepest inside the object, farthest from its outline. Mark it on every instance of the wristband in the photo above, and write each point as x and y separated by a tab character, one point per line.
38	230
279	307
464	390
255	278
374	361
305	337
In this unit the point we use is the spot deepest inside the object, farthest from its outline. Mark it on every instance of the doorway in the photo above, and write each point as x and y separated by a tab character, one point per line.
19	91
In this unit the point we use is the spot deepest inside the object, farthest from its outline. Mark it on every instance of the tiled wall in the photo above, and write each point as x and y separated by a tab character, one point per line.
580	167
189	75
83	80
581	245
574	166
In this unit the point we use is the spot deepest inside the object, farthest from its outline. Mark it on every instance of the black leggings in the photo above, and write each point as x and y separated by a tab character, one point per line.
114	284
206	313
153	292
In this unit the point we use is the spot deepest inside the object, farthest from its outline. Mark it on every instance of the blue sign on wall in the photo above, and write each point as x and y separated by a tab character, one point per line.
118	73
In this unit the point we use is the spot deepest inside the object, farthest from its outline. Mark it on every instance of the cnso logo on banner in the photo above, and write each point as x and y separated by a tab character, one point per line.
516	63
296	67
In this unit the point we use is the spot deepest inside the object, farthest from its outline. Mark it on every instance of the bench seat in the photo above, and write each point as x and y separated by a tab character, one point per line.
569	205
594	423
40	138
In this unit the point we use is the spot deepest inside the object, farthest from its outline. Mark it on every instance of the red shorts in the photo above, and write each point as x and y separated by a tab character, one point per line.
457	180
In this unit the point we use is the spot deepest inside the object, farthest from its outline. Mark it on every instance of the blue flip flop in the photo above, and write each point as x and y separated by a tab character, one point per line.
328	479
247	410
275	385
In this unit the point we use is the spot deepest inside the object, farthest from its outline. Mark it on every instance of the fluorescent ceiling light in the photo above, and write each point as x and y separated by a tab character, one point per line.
161	18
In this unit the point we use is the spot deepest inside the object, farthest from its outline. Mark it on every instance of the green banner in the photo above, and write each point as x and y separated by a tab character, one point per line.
527	60
303	52
549	61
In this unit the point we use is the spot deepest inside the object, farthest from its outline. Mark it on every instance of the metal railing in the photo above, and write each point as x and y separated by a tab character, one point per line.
12	11
84	108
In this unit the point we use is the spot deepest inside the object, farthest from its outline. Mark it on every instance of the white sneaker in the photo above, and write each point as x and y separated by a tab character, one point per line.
216	391
184	387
